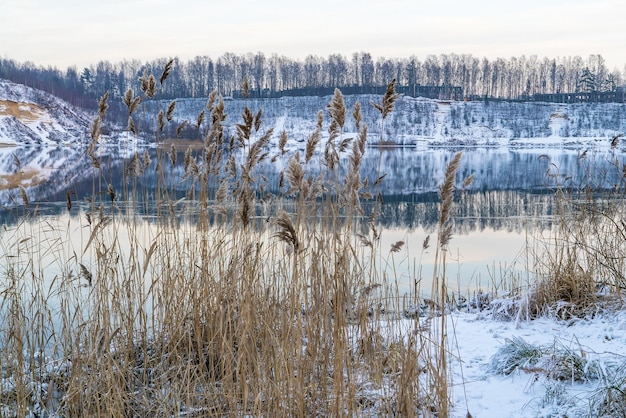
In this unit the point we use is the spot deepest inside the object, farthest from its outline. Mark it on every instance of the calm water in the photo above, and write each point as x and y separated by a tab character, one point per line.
509	202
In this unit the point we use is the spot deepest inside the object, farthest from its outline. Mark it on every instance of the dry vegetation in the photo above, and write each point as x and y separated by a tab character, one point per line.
234	301
580	264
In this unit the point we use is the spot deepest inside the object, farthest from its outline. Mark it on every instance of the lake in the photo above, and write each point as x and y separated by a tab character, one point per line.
496	218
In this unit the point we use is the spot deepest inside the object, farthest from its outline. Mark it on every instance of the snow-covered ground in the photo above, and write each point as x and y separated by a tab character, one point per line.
475	339
32	117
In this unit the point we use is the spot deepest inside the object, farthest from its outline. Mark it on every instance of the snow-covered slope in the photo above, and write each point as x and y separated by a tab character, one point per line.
32	117
432	122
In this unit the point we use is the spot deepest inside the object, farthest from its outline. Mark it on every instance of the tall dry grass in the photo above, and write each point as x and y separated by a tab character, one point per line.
579	266
234	301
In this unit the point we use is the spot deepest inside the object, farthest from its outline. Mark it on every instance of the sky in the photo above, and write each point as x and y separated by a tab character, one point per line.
79	33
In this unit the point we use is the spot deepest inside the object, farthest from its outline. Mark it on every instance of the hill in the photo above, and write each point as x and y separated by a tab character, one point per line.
421	121
33	117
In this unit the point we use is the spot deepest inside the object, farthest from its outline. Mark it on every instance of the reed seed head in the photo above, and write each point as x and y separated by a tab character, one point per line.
294	174
396	246
282	142
24	195
170	110
200	119
103	105
166	71
258	120
468	181
615	140
173	155
131	125
286	231
180	128
337	109
356	114
389	99
160	122
96	129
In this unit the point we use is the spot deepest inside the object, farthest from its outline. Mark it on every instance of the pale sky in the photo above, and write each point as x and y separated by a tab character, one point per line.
62	33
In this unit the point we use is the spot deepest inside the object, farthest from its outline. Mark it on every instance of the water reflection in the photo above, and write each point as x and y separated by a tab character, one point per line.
513	193
512	187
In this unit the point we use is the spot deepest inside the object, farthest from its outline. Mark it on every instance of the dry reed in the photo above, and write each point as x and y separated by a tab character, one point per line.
220	311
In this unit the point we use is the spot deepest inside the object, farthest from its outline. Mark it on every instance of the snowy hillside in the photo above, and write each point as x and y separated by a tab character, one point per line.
32	117
420	121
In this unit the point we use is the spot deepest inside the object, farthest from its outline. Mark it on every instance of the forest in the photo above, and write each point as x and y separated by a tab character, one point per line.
515	78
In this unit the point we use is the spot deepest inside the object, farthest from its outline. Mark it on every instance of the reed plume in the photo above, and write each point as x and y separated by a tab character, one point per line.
200	119
286	231
615	140
160	122
151	86
146	159
390	97
258	120
166	71
245	129
130	101
314	139
387	105
180	128
111	192
468	181
397	246
294	174
24	195
68	199
169	114
446	194
144	82
173	155
96	129
103	105
439	284
131	125
426	243
357	116
337	111
282	142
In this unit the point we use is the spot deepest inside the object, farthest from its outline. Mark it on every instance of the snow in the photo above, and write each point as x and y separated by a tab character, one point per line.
421	122
476	339
31	117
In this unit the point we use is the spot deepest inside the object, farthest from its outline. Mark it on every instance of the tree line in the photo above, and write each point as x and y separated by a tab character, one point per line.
512	78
